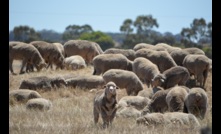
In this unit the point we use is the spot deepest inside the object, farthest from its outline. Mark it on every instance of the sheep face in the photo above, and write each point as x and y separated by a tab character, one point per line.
158	80
110	89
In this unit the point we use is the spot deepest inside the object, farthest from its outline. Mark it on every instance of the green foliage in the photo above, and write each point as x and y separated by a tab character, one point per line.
25	34
208	51
102	39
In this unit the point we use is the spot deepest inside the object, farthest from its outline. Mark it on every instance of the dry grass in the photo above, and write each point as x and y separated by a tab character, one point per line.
72	111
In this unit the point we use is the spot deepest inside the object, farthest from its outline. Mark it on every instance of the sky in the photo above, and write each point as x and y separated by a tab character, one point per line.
106	16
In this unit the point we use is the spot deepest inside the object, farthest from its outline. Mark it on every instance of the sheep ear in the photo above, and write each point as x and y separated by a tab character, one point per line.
162	80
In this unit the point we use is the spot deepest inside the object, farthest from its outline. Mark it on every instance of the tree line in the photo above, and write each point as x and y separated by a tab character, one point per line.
140	30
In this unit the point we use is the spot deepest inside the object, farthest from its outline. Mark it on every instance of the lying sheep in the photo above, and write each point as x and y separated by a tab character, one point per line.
128	112
124	79
157	103
170	118
197	65
196	102
39	104
105	104
168	47
42	82
137	102
74	62
86	82
162	59
50	53
171	77
104	62
129	53
175	99
86	49
27	53
23	95
145	70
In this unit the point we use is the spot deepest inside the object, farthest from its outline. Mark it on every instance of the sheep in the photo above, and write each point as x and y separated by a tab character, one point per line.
105	103
129	53
175	99
168	47
157	103
42	82
74	62
128	112
60	47
169	118
87	49
25	52
171	77
142	45
50	53
23	95
196	102
145	70
124	79
86	82
137	102
194	50
104	62
39	104
162	59
197	65
178	56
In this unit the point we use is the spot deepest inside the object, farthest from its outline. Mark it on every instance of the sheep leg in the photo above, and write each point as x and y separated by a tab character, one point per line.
96	115
24	62
10	66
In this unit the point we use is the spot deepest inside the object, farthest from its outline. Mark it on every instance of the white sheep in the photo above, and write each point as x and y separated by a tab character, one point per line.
39	104
74	62
129	53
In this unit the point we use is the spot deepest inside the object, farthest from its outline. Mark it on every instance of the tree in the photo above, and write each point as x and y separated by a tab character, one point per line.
127	27
74	31
102	39
25	34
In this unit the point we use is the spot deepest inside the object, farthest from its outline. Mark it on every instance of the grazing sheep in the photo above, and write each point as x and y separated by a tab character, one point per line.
60	47
25	52
194	50
38	104
129	53
86	49
145	70
50	53
142	45
162	59
86	82
169	118
171	77
105	103
157	103
197	65
104	62
168	47
175	99
124	79
128	112
23	95
137	102
196	102
178	56
74	62
42	82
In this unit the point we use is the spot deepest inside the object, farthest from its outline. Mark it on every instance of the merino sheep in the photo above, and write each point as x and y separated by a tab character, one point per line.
128	112
168	47
86	49
42	82
124	79
157	103
86	81
74	62
142	45
129	53
196	102
145	70
175	99
23	95
178	56
50	53
162	59
197	65
171	77
137	102
60	47
194	50
170	118
39	104
25	52
105	103
104	62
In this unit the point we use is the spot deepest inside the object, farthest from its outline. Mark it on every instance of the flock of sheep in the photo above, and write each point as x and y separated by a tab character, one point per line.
165	69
